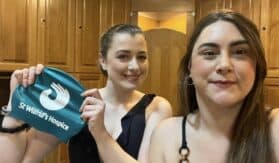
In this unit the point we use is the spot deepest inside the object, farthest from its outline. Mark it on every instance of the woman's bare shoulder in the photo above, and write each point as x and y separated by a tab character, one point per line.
169	124
162	105
274	115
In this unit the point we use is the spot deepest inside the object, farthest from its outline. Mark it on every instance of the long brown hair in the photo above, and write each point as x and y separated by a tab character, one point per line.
250	140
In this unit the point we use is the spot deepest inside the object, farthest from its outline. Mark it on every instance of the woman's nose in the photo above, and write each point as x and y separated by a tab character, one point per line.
133	64
224	64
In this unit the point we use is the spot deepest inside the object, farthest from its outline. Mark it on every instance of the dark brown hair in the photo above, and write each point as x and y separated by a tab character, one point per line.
250	140
107	37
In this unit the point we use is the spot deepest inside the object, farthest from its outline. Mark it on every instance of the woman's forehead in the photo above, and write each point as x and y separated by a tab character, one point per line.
127	39
220	32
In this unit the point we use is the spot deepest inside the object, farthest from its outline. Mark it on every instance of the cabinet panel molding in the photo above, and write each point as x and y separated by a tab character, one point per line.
272	92
56	30
270	35
87	35
17	33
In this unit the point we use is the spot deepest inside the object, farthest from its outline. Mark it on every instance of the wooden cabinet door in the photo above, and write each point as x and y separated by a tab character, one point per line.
250	9
91	80
270	34
165	54
114	12
87	35
121	10
17	33
203	7
272	92
56	31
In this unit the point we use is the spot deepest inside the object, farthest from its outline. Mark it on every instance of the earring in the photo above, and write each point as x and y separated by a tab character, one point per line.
188	80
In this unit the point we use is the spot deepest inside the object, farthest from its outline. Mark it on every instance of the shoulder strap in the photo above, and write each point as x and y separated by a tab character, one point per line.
142	104
184	150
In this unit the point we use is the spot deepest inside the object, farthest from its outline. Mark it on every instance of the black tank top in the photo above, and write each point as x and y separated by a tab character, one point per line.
83	148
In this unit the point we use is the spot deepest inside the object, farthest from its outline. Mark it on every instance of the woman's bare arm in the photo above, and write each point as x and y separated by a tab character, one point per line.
28	145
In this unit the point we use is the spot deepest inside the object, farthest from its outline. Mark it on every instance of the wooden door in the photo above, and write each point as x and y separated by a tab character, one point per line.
250	9
87	35
17	34
121	11
203	7
272	92
90	81
165	48
270	35
56	31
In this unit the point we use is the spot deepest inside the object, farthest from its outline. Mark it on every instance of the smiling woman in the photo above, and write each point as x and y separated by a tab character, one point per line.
119	118
222	74
226	119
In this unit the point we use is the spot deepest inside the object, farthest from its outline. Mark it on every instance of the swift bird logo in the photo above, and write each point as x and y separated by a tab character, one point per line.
61	100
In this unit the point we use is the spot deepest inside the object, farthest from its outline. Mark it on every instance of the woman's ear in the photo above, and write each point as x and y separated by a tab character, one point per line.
189	66
102	62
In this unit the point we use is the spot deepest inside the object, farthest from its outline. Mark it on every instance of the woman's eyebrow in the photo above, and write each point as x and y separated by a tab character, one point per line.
123	51
208	44
239	42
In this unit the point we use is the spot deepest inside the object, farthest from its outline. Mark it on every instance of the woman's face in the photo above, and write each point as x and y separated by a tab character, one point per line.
222	66
127	60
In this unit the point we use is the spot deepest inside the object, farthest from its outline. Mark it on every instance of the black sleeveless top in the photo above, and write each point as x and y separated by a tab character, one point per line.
83	148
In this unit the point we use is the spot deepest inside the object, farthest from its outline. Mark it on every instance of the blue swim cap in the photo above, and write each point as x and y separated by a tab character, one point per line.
51	104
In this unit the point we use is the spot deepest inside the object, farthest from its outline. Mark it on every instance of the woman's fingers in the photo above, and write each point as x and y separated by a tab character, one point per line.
90	114
25	74
93	93
89	100
31	75
39	69
91	107
89	92
17	75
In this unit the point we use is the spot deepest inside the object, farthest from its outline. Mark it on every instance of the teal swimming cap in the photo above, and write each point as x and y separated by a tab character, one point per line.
51	104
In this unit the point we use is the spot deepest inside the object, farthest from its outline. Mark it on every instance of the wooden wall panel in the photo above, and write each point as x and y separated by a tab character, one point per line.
17	33
56	33
87	35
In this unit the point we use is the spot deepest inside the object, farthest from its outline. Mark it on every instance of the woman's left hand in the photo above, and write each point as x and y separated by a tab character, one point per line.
92	109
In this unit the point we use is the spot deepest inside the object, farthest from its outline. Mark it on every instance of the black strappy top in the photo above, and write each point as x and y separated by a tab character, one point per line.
184	150
83	148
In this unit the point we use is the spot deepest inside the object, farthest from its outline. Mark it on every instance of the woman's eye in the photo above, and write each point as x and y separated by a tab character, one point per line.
241	51
142	57
208	54
123	57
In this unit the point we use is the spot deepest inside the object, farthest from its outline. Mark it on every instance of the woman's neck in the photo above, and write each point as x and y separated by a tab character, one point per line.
217	120
118	96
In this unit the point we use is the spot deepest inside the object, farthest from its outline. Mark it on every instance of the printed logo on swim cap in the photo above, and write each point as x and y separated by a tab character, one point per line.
61	100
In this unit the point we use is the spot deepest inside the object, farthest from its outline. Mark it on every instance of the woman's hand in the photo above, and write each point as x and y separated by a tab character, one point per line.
92	109
25	76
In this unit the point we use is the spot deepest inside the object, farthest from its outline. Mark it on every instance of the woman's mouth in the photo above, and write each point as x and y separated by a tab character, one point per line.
132	77
223	83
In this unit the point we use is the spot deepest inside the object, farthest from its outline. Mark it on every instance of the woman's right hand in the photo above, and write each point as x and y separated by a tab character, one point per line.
25	76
